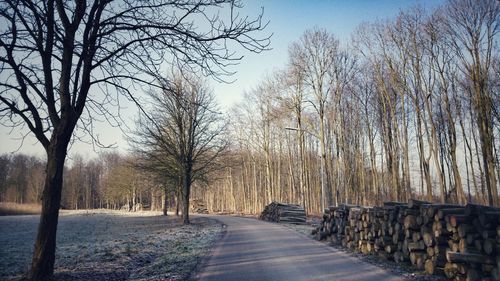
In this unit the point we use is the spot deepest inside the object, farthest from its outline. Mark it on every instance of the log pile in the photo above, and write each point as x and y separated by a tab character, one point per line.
461	242
284	213
199	206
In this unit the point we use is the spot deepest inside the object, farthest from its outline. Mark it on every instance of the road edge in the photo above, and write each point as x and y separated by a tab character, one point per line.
193	276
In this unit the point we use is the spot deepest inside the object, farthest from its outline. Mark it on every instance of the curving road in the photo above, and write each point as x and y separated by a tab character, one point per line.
257	250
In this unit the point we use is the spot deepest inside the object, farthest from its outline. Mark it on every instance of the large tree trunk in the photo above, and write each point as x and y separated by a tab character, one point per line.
186	190
42	266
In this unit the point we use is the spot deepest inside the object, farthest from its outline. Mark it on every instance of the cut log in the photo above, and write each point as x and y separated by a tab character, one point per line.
473	209
410	222
463	229
472	275
429	266
418	259
393	203
416	246
441	213
456	257
456	220
414	203
490	247
495	274
451	270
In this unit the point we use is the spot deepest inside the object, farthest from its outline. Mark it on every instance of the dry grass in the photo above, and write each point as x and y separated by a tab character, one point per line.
107	245
14	209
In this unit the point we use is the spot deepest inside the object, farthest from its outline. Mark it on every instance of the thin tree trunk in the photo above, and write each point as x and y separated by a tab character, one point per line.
165	201
178	202
406	156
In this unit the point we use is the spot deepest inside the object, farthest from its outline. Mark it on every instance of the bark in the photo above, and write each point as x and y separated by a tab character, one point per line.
165	202
300	136
177	203
373	162
42	266
326	179
406	155
186	190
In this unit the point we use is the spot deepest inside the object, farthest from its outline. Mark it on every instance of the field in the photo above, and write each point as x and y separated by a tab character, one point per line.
107	245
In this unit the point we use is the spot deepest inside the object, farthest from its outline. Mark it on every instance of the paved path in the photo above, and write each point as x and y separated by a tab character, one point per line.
257	250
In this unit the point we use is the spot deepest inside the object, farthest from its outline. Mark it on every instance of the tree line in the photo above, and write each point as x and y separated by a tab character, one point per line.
109	181
408	108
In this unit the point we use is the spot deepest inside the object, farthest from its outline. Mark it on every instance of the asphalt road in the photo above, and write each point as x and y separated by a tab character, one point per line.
257	250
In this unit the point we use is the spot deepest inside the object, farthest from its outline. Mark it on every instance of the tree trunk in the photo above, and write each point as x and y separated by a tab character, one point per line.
406	155
186	188
134	195
42	266
326	192
177	202
165	202
153	201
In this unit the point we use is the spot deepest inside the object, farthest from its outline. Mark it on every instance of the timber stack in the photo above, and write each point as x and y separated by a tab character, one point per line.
199	206
460	242
284	213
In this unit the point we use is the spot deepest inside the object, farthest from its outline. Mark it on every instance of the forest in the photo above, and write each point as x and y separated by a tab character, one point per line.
408	108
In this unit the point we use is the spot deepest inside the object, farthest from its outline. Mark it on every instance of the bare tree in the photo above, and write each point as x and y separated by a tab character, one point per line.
294	99
315	54
472	29
62	62
184	133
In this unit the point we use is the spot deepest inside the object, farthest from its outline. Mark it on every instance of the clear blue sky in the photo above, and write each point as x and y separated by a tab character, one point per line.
288	21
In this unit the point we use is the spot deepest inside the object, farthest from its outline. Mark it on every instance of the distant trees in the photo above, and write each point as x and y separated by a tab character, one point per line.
21	178
109	181
126	187
182	137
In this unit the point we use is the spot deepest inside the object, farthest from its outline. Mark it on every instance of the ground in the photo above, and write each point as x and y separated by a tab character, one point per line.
108	245
113	245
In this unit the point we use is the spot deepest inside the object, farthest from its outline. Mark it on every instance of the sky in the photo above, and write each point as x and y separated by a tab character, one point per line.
288	20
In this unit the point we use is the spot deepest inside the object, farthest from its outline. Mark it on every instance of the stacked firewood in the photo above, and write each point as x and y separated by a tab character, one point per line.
334	223
461	242
199	206
284	213
474	243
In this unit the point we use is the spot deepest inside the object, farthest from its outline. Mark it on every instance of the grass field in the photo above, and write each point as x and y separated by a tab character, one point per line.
12	209
107	245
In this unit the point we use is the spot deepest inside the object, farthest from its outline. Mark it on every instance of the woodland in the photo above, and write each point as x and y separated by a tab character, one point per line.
408	109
